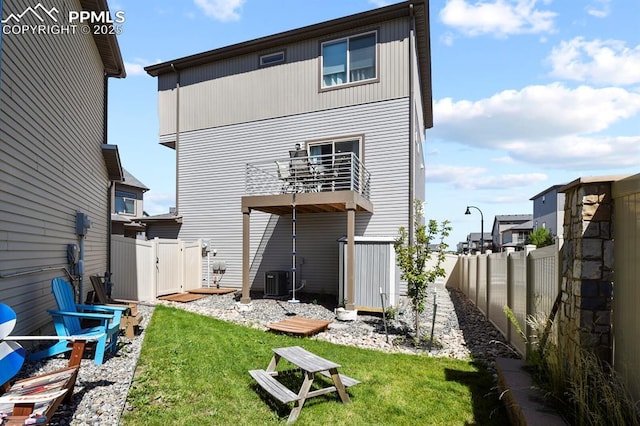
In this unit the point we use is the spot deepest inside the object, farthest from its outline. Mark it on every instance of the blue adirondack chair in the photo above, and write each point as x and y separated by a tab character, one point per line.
66	321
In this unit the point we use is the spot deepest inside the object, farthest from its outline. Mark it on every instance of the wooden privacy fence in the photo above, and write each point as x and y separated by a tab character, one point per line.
144	270
526	281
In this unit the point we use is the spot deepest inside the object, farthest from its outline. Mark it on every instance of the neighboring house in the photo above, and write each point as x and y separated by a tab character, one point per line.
128	207
548	210
354	93
517	236
472	245
55	166
165	225
506	230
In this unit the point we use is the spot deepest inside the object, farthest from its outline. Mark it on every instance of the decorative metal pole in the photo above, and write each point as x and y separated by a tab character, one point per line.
481	226
293	250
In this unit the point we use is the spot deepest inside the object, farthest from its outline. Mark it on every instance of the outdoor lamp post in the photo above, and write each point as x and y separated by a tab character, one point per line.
481	226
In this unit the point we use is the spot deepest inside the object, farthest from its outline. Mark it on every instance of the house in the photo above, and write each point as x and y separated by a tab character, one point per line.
350	98
548	210
517	236
511	230
128	206
56	168
166	225
472	244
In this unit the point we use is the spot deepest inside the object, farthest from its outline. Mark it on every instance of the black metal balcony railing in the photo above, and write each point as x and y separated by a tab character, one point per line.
318	173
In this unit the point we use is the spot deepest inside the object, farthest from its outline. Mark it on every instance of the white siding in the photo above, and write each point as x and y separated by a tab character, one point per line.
212	174
51	116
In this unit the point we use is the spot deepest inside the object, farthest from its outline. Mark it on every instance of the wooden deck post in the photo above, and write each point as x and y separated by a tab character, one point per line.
246	226
351	254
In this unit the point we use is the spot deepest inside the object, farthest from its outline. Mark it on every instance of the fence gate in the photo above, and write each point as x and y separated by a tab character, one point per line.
145	270
168	267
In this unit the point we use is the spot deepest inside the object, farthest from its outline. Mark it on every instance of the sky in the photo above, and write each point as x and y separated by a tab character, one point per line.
527	94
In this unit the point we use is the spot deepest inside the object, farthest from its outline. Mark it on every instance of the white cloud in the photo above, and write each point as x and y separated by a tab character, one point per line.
503	160
158	202
221	10
597	61
498	17
580	153
381	3
478	178
549	126
447	38
599	8
134	68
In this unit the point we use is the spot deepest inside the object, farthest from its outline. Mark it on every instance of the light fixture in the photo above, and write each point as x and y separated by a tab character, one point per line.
481	226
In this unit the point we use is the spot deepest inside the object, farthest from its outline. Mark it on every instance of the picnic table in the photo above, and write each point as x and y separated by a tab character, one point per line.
309	364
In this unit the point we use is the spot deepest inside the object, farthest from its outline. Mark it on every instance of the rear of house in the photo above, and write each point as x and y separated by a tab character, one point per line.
54	161
358	86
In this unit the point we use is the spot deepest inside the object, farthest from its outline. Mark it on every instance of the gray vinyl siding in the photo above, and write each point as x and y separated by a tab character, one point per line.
162	230
212	175
419	134
51	165
281	90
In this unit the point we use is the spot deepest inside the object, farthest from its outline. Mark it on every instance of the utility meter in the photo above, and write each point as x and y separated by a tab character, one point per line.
82	223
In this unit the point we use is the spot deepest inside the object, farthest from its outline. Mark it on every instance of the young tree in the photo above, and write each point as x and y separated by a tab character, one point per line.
412	258
541	237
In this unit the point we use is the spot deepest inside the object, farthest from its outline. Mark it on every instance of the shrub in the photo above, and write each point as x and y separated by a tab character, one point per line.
583	387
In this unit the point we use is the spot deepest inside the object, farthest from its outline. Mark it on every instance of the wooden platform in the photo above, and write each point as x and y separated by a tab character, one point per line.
183	297
213	290
300	326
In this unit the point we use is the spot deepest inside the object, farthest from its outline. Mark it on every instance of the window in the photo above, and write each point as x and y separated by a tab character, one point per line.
337	162
328	151
125	202
349	60
271	59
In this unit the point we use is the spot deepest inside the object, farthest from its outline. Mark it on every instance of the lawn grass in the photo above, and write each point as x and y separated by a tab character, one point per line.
193	370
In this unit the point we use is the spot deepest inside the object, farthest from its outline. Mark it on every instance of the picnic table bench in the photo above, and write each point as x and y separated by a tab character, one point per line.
309	364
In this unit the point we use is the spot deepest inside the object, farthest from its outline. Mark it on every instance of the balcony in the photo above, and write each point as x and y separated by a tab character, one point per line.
321	183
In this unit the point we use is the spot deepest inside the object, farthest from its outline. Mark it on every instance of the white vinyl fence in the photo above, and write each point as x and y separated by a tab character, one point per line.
144	270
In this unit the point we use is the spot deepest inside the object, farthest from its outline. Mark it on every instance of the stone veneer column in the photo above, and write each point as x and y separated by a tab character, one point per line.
587	267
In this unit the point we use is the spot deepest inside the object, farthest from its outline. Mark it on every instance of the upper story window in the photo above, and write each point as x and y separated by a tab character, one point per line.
272	59
349	60
125	203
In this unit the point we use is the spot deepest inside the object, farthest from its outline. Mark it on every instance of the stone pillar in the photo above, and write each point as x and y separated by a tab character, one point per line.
587	267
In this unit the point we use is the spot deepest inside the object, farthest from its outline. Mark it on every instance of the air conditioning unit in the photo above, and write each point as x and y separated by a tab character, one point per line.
276	283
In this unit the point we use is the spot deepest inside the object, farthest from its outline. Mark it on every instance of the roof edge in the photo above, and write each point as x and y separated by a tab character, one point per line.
592	179
310	31
107	44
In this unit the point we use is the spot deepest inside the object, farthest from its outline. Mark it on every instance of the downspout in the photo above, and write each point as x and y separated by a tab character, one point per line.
411	126
107	274
177	130
105	115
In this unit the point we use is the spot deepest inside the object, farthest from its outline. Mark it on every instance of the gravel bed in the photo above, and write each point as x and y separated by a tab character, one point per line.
459	331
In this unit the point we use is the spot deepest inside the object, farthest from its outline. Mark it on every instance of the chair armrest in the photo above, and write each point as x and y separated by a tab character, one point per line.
102	308
78	338
81	314
33	398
